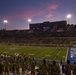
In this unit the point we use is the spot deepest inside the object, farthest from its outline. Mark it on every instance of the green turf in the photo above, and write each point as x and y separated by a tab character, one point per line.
52	53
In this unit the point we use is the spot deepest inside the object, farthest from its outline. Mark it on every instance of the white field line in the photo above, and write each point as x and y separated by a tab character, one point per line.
45	55
50	53
66	54
56	55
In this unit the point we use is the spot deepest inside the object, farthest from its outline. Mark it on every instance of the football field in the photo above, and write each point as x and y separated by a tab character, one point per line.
51	53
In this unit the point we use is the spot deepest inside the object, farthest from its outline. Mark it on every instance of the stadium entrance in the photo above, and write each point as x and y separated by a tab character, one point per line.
71	54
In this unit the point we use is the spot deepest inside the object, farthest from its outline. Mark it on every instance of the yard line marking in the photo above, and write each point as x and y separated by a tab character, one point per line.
56	55
66	54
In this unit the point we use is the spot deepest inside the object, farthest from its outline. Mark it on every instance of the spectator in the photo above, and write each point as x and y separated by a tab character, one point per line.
6	67
55	69
68	68
1	68
61	67
33	64
44	68
49	68
74	68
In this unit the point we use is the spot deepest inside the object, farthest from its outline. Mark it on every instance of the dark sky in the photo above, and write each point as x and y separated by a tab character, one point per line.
17	12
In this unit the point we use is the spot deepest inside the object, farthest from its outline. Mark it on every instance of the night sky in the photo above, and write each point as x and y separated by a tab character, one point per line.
17	12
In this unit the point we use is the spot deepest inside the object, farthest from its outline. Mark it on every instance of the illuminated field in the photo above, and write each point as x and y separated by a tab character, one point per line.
52	53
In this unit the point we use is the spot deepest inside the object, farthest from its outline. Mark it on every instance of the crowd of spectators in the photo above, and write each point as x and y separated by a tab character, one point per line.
52	39
21	64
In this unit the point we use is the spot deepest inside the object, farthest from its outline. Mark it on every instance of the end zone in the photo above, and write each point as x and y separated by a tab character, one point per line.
71	56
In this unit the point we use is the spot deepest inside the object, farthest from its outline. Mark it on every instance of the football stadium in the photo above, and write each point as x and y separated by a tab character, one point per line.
37	37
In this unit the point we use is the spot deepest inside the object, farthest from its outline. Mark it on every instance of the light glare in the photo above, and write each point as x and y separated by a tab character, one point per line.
29	20
69	16
5	21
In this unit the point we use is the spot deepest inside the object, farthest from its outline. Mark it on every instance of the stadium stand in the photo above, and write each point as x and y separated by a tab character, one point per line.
47	33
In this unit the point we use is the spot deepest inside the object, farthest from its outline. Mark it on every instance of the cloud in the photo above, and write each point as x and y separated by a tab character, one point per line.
48	16
52	6
30	12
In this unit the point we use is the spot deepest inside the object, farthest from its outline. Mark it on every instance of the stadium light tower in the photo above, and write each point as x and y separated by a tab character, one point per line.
5	22
29	20
69	17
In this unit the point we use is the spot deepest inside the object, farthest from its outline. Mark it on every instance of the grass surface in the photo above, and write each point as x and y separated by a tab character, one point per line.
52	53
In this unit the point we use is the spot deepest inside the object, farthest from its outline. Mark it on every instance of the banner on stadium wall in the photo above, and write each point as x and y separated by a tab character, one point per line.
71	56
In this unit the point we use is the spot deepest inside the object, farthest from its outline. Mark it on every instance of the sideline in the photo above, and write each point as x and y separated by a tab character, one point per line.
66	54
